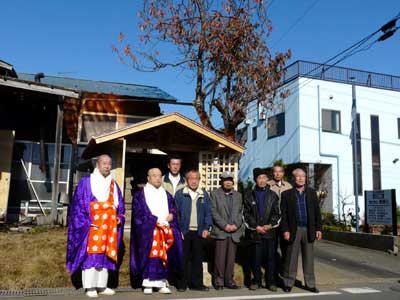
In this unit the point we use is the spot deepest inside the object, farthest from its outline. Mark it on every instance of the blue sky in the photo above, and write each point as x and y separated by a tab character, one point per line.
73	38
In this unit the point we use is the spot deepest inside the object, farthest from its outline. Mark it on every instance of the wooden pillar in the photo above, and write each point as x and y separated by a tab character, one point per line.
57	158
6	150
118	157
73	164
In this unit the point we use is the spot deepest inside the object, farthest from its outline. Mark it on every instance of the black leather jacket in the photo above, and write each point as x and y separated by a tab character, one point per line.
252	216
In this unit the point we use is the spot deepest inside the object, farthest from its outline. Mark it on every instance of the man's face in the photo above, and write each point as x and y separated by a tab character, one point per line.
227	184
300	179
193	180
104	165
154	177
262	180
277	173
174	166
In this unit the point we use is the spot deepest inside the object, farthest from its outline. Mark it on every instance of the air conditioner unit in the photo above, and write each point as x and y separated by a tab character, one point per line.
262	116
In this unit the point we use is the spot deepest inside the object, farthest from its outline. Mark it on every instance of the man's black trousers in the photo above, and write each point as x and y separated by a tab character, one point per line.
264	252
192	276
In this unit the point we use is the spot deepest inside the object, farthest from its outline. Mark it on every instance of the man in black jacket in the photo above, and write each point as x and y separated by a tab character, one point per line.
261	215
301	226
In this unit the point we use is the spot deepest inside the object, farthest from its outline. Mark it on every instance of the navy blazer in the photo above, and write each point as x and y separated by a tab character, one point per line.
288	213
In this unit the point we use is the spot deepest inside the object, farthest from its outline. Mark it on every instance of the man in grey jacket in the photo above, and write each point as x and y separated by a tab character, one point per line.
227	211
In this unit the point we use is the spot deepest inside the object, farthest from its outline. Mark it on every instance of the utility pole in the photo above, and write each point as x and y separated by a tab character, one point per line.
355	152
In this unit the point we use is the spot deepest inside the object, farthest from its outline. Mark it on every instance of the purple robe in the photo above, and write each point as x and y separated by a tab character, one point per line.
79	221
143	224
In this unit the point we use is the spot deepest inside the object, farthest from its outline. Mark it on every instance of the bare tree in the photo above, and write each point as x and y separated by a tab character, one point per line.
344	201
224	44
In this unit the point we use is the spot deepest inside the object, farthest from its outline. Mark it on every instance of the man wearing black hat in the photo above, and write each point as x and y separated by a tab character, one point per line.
227	206
262	216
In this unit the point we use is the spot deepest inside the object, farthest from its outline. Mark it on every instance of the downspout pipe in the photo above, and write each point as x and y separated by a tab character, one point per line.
327	154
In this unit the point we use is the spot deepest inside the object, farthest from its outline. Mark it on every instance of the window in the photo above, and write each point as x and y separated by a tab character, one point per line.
357	166
94	123
376	153
254	133
33	174
241	135
124	121
276	125
331	121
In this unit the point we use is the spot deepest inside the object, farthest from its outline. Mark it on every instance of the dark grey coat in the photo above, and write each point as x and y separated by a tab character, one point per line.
220	213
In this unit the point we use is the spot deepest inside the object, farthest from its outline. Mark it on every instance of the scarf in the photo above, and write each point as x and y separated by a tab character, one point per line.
157	201
100	187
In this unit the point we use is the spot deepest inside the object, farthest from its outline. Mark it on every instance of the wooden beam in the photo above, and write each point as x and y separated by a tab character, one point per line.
177	147
165	119
57	159
37	87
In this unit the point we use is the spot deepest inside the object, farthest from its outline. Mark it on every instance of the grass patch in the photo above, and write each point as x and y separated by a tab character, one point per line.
37	260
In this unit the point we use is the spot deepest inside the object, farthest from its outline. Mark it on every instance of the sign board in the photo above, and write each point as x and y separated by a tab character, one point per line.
379	207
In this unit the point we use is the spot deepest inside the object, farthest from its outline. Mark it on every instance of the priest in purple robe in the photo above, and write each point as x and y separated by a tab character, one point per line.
156	241
95	228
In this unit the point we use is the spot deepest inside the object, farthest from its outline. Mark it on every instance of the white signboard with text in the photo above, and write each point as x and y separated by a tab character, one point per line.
379	207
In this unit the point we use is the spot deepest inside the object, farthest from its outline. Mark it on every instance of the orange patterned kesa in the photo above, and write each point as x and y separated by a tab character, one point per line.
163	239
103	236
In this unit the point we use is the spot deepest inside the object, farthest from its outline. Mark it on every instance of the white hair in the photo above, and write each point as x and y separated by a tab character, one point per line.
297	170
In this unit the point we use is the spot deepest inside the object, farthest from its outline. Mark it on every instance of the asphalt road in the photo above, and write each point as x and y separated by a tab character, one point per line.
343	272
387	291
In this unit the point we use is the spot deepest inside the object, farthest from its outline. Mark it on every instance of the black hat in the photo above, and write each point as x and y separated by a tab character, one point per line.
259	171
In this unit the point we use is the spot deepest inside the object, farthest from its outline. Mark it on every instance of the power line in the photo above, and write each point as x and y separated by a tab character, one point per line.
296	22
388	30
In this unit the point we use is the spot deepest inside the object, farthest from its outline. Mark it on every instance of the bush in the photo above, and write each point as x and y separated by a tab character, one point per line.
338	227
328	218
245	185
398	215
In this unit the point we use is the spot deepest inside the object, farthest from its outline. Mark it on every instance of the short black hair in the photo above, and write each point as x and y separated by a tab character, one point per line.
174	156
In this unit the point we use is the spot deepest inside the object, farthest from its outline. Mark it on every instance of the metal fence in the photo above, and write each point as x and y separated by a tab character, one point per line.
340	74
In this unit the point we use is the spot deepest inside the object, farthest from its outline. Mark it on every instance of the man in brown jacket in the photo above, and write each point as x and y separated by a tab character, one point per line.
277	184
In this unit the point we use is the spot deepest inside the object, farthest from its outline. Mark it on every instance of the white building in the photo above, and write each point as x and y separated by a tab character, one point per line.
313	126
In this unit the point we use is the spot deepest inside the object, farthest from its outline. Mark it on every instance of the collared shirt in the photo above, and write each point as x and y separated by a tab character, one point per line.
193	214
279	187
301	209
174	180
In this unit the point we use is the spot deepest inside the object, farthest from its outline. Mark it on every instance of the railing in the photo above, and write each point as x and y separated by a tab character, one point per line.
340	74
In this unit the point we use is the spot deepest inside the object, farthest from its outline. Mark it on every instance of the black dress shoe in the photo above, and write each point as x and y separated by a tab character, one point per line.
202	288
312	290
232	287
181	289
219	287
272	288
254	287
287	289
